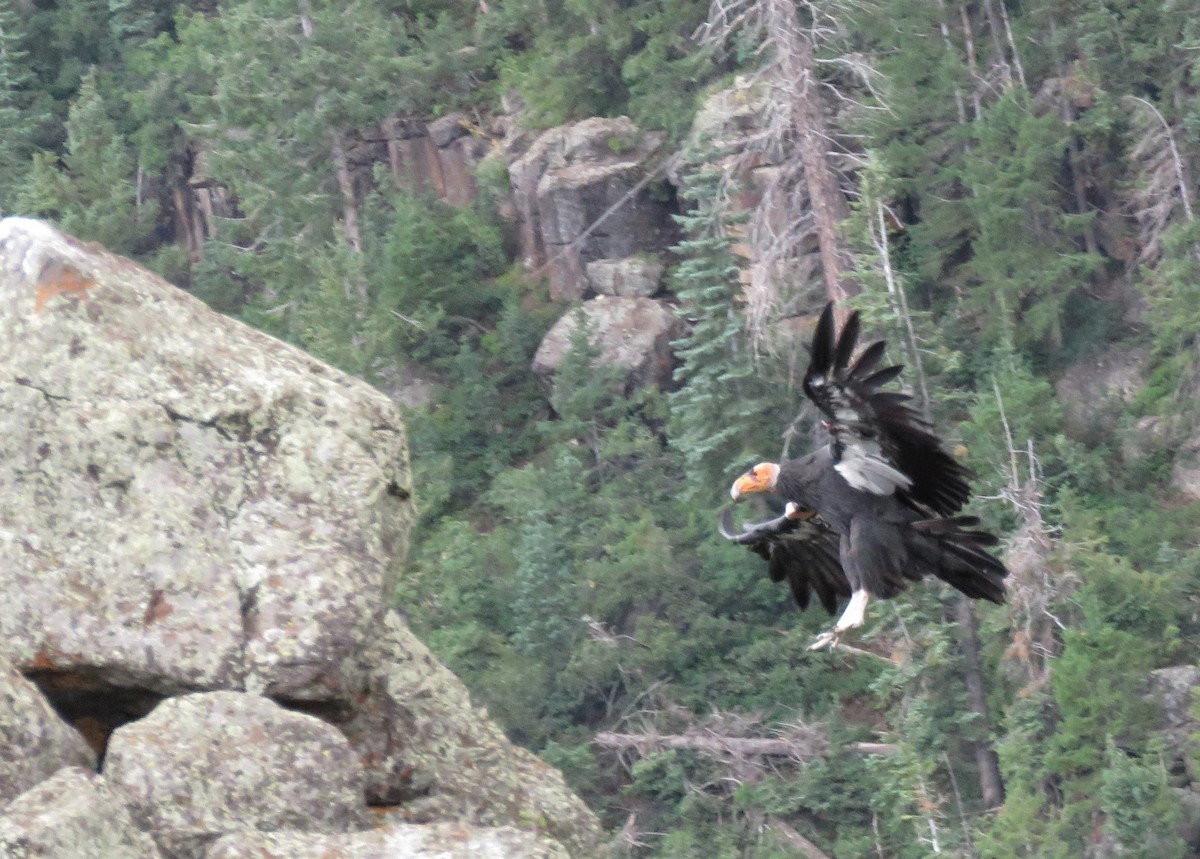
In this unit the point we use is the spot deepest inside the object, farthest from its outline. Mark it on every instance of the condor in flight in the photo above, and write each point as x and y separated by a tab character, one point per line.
876	507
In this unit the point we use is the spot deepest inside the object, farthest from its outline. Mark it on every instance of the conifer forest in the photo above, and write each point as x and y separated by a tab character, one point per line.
1005	190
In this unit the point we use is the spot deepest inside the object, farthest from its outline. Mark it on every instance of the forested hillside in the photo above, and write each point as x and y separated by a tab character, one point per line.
1006	190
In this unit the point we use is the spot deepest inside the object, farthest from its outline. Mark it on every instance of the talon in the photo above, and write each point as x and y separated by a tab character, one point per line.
826	639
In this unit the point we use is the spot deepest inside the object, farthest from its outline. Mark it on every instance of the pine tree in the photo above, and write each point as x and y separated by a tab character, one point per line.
1028	254
18	118
544	605
720	407
91	190
1141	814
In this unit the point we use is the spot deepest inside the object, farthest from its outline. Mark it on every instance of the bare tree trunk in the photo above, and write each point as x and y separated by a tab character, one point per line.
718	745
994	30
829	209
898	300
991	783
341	164
1163	182
1033	584
341	168
972	61
306	22
193	232
1012	45
1075	161
929	806
793	839
1066	111
958	97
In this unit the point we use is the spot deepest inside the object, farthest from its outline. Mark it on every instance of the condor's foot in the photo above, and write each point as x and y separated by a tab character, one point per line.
828	639
852	618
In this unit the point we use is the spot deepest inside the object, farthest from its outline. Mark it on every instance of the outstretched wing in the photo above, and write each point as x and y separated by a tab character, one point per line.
880	444
804	552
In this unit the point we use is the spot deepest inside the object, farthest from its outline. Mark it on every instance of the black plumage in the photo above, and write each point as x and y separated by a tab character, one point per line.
802	552
877	507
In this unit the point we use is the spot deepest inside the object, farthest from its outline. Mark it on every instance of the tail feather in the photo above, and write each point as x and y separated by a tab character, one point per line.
959	557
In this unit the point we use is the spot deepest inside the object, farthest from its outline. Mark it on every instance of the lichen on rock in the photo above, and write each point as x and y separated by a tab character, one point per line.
430	749
192	504
75	814
426	841
205	764
34	741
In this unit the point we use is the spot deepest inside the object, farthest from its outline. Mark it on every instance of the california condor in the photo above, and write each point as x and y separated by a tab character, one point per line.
876	507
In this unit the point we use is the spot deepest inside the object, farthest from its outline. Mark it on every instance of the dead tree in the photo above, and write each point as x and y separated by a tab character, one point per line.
1035	582
1163	195
795	230
797	746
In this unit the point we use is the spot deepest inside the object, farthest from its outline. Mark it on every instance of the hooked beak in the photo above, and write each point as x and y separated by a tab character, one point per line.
758	479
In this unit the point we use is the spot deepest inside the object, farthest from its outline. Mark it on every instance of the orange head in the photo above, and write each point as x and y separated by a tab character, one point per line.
760	478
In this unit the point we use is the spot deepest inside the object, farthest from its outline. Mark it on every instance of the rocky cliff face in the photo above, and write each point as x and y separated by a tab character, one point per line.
583	193
590	217
199	530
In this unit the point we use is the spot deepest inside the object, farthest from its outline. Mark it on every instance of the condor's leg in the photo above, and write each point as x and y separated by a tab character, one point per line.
867	558
853	617
855	613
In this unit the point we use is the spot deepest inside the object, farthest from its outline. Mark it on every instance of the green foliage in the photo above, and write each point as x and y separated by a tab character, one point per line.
1140	812
91	191
1063	773
430	275
1098	656
1172	296
1014	409
1025	249
64	41
543	591
1025	827
719	393
584	58
18	116
480	426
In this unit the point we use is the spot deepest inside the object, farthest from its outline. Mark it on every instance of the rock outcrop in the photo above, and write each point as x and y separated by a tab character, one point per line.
435	157
35	742
190	504
429	749
585	192
1174	691
201	524
1095	389
633	334
1098	388
74	814
206	764
435	841
631	277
